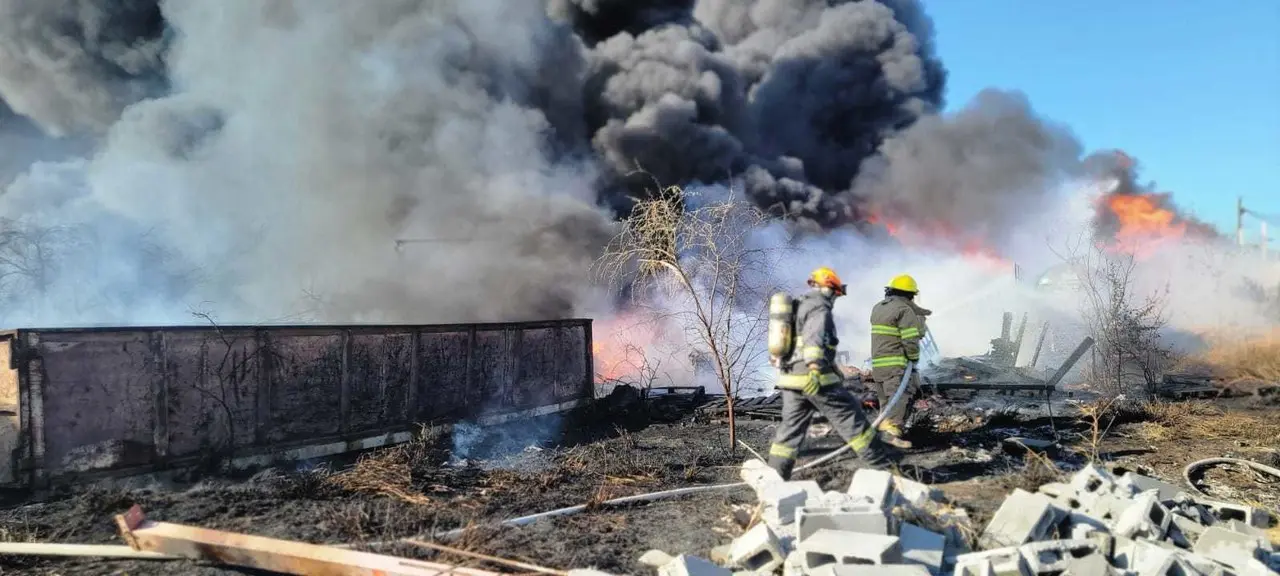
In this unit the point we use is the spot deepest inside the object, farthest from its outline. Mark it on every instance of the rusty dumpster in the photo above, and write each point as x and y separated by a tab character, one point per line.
84	403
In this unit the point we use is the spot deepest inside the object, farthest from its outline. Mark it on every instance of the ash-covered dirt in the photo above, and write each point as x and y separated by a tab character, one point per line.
476	476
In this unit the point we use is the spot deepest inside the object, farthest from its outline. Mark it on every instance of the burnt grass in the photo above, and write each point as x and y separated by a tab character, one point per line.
423	488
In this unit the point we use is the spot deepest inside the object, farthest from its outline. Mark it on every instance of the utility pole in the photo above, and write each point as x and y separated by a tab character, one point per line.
1240	221
1263	240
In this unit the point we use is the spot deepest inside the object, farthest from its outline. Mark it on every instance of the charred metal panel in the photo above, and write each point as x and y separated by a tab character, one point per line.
89	402
490	372
444	356
212	382
379	375
306	380
10	410
98	408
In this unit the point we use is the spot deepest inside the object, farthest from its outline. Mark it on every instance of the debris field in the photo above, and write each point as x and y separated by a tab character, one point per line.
940	516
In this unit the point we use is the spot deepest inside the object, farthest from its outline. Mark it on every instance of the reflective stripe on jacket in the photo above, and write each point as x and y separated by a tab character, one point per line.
815	343
896	330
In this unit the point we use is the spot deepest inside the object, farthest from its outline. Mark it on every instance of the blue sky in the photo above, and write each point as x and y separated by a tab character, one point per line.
1188	87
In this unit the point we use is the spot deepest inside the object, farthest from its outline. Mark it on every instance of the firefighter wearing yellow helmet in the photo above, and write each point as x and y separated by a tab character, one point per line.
809	380
897	325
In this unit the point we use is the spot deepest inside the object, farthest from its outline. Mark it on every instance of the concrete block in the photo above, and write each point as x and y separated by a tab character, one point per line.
923	547
1093	480
836	500
781	502
1106	507
757	551
857	570
1264	541
1225	511
811	488
1228	547
1165	492
1194	510
979	567
1053	556
1175	536
1000	562
655	558
1091	565
864	519
838	547
794	565
758	475
1188	527
685	565
1144	518
1080	519
1105	541
914	493
1056	490
874	487
1149	558
1022	518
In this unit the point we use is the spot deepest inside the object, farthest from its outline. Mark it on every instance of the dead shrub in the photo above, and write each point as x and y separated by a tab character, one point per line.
1037	469
388	472
1239	357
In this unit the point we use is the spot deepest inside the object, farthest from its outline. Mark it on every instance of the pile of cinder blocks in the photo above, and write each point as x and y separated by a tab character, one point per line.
1097	524
1100	523
804	530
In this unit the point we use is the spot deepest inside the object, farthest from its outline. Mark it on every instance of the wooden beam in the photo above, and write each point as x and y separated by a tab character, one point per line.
80	550
262	553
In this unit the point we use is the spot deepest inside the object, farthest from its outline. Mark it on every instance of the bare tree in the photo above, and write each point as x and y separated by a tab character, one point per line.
1129	356
693	263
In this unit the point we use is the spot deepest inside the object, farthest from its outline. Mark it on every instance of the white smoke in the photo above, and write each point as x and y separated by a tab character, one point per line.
297	145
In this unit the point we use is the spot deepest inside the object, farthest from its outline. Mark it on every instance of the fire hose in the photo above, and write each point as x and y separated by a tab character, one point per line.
653	496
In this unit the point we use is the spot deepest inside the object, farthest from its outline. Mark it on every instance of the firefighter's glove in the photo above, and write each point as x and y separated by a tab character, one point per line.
813	384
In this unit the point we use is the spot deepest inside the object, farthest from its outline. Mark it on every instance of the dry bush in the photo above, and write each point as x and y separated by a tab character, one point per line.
1168	421
387	472
1238	357
691	262
1099	416
1128	356
1037	470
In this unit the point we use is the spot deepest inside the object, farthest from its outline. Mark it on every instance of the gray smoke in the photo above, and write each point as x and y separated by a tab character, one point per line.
74	65
261	160
983	169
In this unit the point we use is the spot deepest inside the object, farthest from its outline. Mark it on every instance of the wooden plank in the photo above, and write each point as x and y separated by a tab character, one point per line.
79	550
262	553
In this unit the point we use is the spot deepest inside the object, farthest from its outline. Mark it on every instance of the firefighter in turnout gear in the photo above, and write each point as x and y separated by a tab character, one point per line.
897	325
809	382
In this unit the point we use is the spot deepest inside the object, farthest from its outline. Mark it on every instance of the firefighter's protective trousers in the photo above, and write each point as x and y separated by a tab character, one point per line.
840	408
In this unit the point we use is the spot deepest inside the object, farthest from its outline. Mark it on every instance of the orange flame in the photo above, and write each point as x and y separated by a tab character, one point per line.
1144	224
619	346
945	237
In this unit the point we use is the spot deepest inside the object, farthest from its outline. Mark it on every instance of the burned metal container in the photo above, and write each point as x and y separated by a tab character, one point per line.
84	403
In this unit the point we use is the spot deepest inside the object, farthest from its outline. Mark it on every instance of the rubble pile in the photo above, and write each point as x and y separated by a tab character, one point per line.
1097	524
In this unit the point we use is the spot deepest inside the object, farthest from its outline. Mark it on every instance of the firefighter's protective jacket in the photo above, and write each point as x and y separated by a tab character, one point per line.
815	343
896	329
923	315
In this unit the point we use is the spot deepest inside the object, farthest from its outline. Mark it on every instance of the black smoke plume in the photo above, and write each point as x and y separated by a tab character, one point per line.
460	160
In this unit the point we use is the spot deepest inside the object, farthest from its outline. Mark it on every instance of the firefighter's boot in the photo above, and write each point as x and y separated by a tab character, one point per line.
892	436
